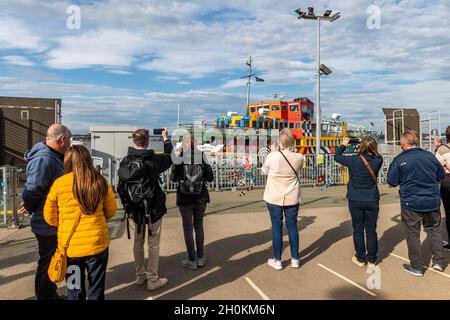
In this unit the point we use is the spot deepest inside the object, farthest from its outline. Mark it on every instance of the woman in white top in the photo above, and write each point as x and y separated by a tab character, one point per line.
282	194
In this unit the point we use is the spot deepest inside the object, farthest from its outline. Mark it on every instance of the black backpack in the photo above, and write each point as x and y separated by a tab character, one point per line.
192	180
137	182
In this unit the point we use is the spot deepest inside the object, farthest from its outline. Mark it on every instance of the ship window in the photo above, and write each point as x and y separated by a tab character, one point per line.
246	123
294	107
237	123
253	124
291	125
297	142
283	108
297	125
252	109
275	107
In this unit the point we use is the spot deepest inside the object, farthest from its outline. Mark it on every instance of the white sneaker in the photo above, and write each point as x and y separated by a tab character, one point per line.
275	264
140	280
158	283
295	263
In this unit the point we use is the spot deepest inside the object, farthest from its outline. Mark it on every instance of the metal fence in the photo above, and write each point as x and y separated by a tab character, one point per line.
231	174
10	197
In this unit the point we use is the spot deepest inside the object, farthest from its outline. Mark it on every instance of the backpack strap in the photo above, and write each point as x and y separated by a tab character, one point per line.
369	168
290	165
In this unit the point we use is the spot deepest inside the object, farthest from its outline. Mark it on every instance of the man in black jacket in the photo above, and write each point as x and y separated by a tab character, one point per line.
154	164
418	173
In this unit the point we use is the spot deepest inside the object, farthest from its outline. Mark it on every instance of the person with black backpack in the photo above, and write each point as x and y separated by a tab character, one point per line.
192	173
144	202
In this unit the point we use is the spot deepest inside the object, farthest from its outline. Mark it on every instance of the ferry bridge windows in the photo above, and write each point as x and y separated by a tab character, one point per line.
275	107
253	109
294	108
283	108
297	142
237	123
246	123
291	125
297	125
253	124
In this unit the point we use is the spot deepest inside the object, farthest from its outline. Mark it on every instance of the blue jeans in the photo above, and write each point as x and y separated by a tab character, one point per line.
96	274
276	216
364	218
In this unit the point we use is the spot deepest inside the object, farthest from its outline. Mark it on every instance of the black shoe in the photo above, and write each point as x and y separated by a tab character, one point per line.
410	269
447	246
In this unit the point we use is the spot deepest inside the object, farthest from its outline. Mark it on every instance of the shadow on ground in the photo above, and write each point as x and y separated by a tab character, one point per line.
218	252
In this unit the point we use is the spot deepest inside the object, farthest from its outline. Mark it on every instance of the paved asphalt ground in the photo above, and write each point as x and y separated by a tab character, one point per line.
238	244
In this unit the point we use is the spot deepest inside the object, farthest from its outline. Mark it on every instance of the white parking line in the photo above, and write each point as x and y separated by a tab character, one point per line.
348	280
431	269
257	289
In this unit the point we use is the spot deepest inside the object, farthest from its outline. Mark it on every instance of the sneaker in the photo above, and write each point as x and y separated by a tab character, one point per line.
295	263
201	262
189	264
447	247
408	268
357	262
140	280
275	264
438	267
158	283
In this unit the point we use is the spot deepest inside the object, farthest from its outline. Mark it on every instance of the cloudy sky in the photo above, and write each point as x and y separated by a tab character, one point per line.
132	62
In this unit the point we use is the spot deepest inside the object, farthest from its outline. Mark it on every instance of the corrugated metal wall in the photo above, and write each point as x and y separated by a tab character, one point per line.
23	123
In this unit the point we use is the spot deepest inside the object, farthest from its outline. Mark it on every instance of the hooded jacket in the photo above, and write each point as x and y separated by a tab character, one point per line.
44	166
155	165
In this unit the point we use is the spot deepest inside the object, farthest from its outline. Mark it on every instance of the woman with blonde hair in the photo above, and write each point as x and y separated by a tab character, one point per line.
363	197
83	200
282	195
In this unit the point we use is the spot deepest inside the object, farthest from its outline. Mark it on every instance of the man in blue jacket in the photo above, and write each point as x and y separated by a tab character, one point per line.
45	163
418	173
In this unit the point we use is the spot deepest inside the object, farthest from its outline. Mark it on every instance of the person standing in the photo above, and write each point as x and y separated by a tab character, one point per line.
443	155
145	202
45	163
418	173
282	195
363	197
192	199
82	200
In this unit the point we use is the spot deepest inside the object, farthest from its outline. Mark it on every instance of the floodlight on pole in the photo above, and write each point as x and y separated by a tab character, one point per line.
321	69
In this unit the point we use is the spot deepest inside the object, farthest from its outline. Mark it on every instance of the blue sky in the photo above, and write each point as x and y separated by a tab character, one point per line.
132	62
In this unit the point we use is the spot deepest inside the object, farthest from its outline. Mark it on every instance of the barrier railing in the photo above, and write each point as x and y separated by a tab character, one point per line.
10	198
231	174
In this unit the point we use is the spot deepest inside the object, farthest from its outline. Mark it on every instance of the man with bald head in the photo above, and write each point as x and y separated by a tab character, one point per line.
45	163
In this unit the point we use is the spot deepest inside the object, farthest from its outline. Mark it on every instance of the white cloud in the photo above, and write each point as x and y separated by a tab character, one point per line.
96	48
14	34
18	61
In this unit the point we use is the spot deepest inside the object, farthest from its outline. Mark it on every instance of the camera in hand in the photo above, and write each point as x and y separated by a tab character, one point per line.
355	140
157	131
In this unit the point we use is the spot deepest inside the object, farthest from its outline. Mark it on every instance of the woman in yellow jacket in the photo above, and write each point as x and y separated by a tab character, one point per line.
83	198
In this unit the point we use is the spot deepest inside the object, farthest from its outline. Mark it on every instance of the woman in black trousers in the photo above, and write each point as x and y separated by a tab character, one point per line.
363	197
192	173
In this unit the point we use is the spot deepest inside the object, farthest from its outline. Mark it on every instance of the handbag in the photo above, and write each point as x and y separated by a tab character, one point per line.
58	265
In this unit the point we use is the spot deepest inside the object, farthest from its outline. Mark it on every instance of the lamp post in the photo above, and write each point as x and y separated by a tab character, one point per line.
321	69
